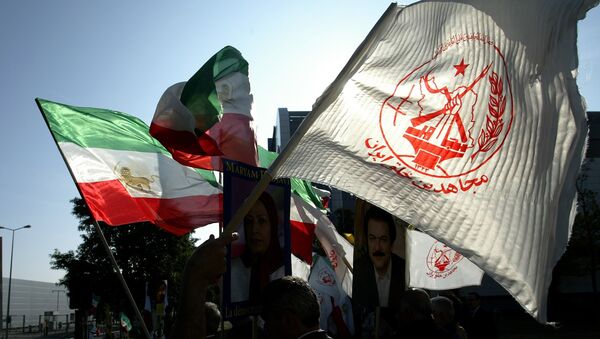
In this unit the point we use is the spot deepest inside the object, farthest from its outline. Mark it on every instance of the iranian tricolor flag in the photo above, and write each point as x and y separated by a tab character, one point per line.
209	116
464	119
125	175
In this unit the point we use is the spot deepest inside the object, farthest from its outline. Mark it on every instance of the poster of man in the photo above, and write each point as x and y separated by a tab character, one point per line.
262	252
379	270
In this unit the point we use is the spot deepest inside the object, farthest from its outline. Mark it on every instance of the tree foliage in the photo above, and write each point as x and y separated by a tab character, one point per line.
144	253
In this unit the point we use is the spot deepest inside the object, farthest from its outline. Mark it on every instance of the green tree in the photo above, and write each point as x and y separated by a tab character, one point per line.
144	253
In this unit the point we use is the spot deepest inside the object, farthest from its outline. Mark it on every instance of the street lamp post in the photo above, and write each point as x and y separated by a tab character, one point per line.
58	292
10	274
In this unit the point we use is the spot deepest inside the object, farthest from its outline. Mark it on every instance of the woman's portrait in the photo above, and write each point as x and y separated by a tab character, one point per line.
262	259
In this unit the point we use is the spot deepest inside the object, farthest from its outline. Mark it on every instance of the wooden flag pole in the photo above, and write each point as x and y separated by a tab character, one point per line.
98	230
319	106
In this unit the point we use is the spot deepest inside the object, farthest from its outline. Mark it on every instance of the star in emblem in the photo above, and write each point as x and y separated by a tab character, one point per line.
460	68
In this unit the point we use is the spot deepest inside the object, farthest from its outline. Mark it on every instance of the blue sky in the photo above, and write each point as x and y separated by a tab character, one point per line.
122	55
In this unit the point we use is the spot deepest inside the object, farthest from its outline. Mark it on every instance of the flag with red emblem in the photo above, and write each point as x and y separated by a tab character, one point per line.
463	119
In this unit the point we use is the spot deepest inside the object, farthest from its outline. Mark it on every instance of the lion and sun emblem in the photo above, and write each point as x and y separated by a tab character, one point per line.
137	182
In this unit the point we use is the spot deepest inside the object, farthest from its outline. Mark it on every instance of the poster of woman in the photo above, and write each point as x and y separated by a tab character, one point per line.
262	253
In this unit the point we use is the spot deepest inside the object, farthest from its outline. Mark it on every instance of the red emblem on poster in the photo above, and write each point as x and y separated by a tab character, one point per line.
442	261
447	118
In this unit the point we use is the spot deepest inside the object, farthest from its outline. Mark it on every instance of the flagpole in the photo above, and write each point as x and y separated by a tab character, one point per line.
123	282
98	230
362	52
239	215
221	295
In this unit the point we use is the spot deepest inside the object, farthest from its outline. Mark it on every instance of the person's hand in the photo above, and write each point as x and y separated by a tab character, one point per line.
206	265
208	261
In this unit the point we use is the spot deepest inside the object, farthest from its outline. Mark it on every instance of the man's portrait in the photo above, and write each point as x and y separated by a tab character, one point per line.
379	273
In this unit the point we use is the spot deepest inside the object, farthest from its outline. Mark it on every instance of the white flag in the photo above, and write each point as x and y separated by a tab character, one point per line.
339	251
435	266
300	269
463	119
332	298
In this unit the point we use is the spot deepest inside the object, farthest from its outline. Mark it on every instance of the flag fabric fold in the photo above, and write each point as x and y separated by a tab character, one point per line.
305	218
125	175
463	119
209	116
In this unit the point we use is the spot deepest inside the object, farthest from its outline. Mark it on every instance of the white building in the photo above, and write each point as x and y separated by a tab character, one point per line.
30	300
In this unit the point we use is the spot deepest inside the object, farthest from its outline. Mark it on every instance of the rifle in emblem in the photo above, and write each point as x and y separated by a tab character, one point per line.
428	153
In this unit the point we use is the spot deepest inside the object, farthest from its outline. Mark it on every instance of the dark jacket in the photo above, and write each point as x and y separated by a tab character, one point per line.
365	297
364	287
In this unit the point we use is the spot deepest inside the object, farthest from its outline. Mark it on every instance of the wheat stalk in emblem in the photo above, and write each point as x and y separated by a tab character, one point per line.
494	124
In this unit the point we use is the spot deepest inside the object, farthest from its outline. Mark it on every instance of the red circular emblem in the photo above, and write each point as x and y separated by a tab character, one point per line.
451	115
325	278
442	260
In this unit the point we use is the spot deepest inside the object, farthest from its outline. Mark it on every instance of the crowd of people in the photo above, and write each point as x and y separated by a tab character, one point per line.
291	308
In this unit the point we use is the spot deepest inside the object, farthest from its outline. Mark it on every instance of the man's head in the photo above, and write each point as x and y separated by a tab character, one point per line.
443	311
414	306
380	231
290	308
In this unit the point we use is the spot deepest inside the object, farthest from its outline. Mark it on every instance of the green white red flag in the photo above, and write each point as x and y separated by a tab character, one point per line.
125	175
125	322
463	119
209	116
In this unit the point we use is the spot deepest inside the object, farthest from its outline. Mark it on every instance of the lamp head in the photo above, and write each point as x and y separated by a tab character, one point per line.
27	226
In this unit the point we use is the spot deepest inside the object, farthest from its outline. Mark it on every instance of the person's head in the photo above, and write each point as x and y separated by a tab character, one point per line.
380	231
213	317
260	225
473	301
442	310
414	306
290	308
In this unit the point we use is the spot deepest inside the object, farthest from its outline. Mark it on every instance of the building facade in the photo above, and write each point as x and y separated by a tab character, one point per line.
341	204
30	300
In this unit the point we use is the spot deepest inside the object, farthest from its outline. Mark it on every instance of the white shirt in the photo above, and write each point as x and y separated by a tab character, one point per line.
383	285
